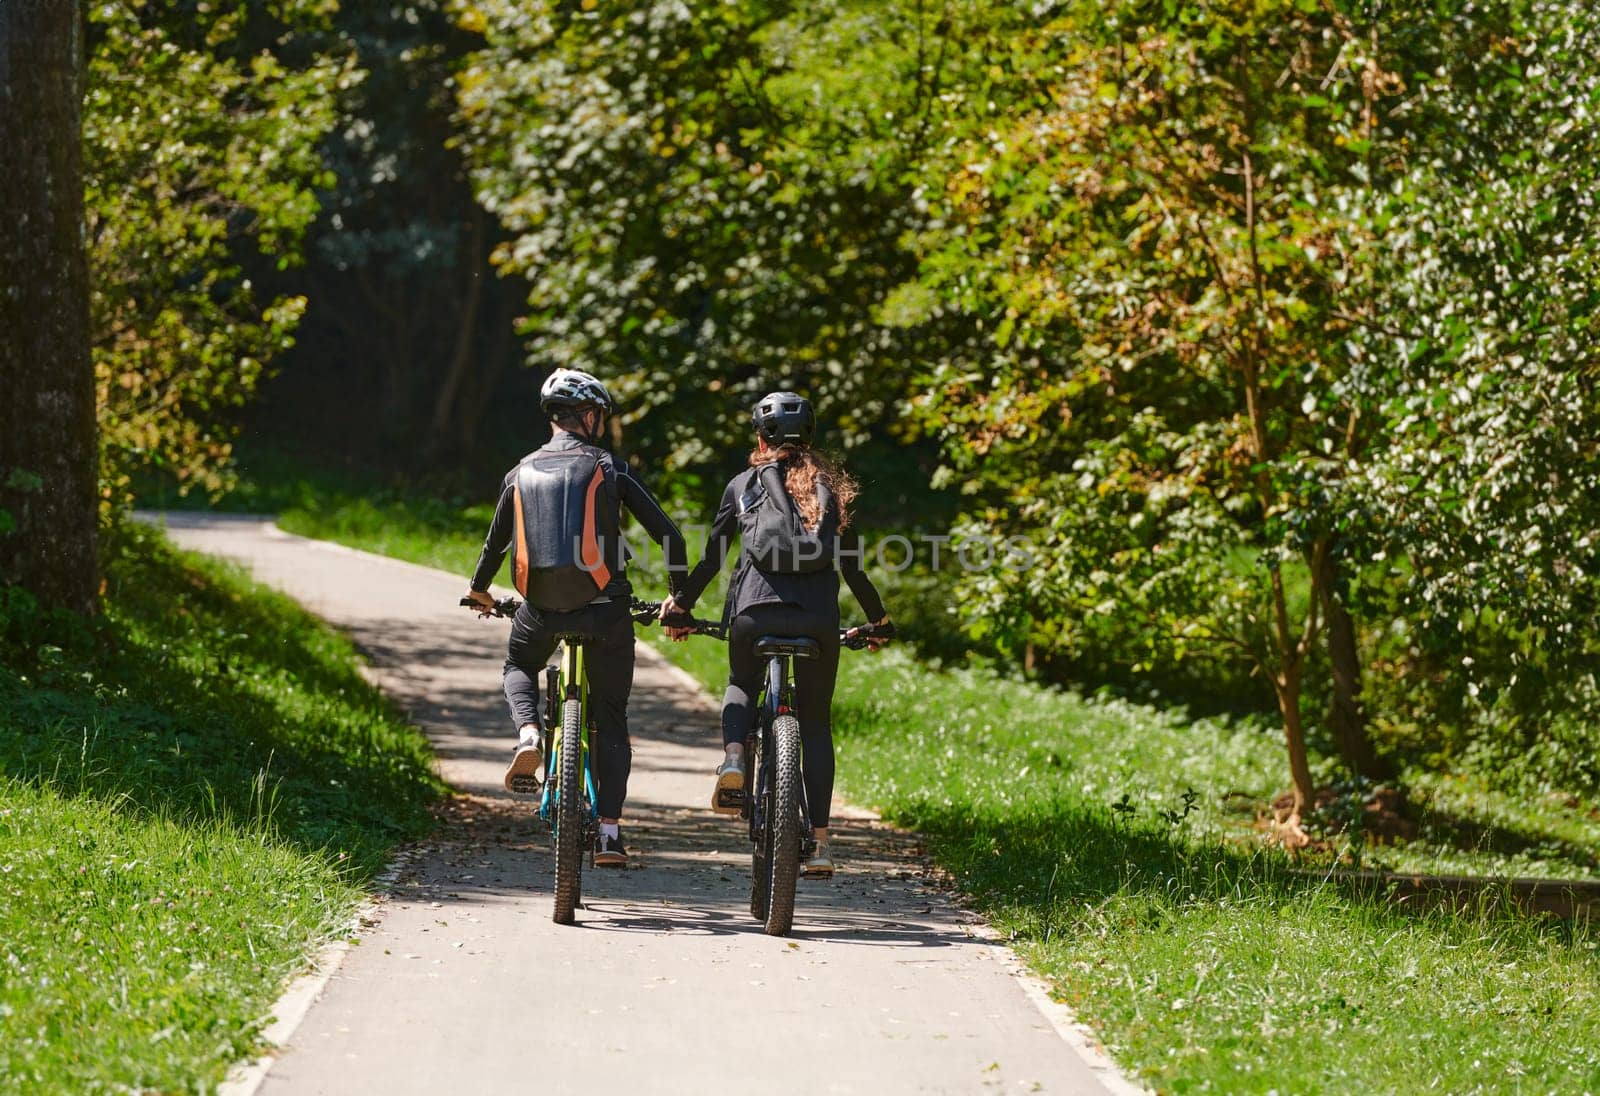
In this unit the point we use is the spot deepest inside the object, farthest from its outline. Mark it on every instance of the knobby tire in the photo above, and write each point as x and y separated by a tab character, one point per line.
569	814
783	824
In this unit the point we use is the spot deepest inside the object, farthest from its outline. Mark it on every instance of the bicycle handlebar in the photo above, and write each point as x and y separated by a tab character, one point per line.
503	607
648	612
865	634
643	612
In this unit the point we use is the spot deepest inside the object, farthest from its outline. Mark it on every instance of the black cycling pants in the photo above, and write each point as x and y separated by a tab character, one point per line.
608	663
814	679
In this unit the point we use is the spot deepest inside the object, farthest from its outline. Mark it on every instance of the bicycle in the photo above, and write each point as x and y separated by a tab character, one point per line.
567	792
778	815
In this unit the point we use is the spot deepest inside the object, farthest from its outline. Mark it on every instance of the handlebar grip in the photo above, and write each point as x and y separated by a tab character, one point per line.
695	624
647	613
698	626
865	633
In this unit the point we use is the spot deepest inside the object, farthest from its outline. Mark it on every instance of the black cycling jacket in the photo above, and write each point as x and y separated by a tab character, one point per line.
631	493
817	591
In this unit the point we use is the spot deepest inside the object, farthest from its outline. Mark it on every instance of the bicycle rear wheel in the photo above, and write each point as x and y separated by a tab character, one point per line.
783	826
569	813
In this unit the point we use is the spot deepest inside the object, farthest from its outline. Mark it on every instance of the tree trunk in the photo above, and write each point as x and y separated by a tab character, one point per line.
47	414
448	400
504	345
1347	719
1288	689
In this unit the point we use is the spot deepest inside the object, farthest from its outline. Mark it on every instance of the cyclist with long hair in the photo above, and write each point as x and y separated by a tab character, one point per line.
797	596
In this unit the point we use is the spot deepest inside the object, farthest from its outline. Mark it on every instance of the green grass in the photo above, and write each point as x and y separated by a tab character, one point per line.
912	737
1195	952
436	535
194	793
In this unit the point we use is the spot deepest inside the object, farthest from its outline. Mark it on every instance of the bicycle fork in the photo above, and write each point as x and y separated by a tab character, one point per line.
560	685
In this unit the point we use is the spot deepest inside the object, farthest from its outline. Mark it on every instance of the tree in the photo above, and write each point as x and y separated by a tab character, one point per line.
1144	227
1290	316
201	132
47	418
1480	339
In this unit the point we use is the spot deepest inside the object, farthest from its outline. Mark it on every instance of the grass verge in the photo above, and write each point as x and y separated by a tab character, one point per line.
1116	843
193	792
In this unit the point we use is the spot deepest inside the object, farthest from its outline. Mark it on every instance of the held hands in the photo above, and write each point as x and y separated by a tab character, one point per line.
669	607
874	643
484	601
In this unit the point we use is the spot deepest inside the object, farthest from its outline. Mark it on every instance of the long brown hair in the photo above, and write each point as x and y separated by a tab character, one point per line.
802	468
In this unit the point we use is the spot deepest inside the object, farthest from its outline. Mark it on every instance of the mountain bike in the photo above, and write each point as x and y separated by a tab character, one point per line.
567	793
776	810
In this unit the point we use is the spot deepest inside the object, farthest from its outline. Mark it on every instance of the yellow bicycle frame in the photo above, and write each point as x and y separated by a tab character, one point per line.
572	682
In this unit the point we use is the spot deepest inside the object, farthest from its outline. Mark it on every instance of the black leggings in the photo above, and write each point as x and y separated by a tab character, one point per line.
608	664
813	690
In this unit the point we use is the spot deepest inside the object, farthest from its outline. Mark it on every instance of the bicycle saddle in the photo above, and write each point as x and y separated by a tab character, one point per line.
793	646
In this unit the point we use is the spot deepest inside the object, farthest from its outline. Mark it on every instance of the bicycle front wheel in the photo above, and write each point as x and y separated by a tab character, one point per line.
569	813
783	826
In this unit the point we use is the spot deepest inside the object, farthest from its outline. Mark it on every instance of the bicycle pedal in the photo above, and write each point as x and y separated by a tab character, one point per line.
730	800
525	784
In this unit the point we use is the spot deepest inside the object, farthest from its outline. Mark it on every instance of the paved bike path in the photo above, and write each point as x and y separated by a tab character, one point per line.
665	985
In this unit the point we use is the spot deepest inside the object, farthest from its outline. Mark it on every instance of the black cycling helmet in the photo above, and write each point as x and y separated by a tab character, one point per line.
573	388
784	418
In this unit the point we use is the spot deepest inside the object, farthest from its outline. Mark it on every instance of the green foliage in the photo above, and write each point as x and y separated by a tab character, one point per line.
977	740
408	323
688	212
201	131
193	789
1478	495
1264	303
1159	290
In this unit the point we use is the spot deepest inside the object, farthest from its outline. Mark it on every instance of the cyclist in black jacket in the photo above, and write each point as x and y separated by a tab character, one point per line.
578	404
764	602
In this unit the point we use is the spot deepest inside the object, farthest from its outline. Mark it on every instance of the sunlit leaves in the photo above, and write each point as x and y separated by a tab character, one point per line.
1271	279
198	150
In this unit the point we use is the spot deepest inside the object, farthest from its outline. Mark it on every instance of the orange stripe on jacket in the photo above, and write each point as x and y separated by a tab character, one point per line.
519	560
592	562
